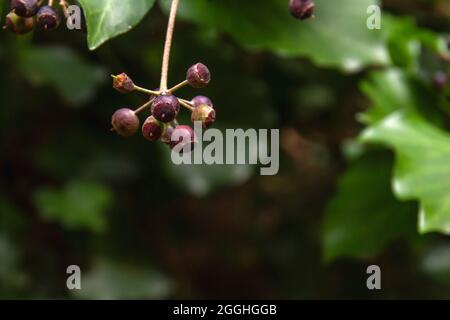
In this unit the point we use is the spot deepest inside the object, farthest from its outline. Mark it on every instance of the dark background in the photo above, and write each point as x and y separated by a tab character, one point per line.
72	192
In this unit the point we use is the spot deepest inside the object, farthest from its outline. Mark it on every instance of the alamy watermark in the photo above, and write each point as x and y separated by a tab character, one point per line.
373	22
374	280
73	281
236	146
74	19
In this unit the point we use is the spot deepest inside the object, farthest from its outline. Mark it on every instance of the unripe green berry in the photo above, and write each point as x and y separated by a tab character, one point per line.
17	24
123	83
198	76
48	18
301	9
25	8
205	114
165	107
152	129
125	122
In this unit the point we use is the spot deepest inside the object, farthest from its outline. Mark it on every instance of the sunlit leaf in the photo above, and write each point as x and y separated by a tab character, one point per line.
422	169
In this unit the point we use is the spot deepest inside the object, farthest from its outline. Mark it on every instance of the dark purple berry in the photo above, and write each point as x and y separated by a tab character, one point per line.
165	107
17	24
198	76
125	122
152	129
301	9
441	80
205	114
199	100
123	83
25	8
48	18
182	136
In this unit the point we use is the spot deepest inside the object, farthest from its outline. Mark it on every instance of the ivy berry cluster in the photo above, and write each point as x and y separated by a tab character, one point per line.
163	107
25	14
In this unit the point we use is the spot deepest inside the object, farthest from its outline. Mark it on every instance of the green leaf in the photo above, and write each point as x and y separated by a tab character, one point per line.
392	89
112	280
337	37
107	19
364	215
405	41
422	169
61	68
79	205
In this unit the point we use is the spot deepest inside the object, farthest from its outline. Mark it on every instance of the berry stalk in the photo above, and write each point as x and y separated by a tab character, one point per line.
143	107
168	45
179	86
186	104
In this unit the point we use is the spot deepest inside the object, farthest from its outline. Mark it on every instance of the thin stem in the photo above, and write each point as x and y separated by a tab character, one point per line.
143	107
178	86
50	3
186	104
147	91
64	5
168	45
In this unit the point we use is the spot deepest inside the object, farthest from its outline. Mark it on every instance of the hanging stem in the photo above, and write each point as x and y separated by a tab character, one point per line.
168	45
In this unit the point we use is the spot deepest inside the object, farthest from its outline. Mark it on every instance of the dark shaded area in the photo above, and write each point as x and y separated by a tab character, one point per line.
246	238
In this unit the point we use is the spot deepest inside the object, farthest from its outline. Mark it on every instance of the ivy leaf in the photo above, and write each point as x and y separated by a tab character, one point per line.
79	205
391	90
61	68
107	19
337	37
422	169
364	215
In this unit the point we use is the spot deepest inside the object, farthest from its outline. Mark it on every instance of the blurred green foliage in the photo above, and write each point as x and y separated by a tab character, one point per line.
71	192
